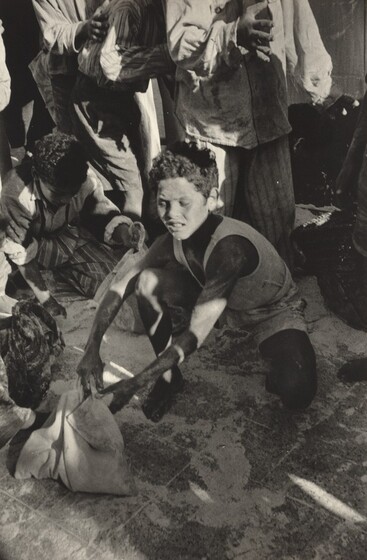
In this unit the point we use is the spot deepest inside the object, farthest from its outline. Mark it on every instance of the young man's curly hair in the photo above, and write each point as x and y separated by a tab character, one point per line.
186	159
59	160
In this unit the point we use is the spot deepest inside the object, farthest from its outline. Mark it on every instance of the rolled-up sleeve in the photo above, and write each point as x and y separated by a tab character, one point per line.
197	41
120	64
125	55
310	63
58	28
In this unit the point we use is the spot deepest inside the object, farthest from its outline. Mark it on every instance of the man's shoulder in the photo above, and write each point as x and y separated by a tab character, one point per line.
18	198
92	185
18	184
18	177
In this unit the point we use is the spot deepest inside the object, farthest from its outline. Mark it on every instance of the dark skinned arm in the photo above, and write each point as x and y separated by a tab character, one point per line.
231	259
91	363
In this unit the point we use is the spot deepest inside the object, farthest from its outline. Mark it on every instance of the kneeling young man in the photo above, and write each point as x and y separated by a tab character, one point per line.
211	266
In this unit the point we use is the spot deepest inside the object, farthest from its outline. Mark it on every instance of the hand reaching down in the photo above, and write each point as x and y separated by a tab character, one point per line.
89	366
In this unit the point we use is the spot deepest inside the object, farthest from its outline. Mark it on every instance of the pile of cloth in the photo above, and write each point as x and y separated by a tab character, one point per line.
319	142
325	242
33	343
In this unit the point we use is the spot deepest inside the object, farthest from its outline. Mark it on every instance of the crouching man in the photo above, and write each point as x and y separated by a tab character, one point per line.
212	266
60	219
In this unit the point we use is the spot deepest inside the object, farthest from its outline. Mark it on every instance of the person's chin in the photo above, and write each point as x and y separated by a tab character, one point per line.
178	233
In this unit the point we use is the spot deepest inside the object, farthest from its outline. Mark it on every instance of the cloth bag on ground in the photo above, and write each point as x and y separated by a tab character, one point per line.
81	444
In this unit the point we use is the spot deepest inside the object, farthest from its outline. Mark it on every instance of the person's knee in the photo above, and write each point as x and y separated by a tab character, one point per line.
297	386
293	375
146	284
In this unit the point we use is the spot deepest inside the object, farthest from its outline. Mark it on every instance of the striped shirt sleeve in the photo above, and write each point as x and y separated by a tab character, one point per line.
134	48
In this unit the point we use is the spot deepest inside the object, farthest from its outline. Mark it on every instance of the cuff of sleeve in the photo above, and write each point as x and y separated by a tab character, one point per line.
334	94
235	53
112	225
74	32
18	254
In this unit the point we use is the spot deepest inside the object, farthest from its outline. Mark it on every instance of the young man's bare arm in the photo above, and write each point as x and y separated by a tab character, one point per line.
232	258
91	364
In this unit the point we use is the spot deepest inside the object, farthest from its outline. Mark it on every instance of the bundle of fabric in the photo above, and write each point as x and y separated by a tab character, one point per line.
328	251
34	341
319	142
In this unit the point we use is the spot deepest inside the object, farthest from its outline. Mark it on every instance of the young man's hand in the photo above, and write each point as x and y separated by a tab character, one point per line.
90	365
255	34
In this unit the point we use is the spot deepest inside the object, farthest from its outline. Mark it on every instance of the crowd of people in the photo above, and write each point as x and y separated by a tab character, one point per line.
217	203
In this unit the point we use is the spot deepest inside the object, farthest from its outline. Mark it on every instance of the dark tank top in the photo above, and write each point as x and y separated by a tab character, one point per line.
267	284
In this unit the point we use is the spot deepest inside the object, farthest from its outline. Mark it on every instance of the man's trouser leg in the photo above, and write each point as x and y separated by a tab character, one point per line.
256	187
265	194
107	123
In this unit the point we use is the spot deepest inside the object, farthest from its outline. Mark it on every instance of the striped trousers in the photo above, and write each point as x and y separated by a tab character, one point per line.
256	187
81	263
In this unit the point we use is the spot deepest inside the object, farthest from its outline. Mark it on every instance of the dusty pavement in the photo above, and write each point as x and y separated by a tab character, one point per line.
226	474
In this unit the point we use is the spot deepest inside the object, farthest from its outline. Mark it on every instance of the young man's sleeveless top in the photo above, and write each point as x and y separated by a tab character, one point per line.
270	282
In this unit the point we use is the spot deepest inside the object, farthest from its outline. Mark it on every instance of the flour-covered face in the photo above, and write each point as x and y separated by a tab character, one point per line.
181	207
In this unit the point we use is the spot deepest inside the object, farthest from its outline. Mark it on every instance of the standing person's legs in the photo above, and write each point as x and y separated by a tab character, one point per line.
265	196
228	164
150	143
174	132
107	124
62	86
40	124
149	148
